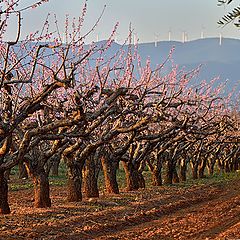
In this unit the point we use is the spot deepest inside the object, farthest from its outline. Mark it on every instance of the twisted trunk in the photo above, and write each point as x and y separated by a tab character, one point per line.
74	173
227	167
236	165
134	179
110	167
183	170
7	174
210	168
91	178
195	170
156	170
4	207
55	167
175	176
157	177
36	171
41	189
169	173
141	180
23	174
201	169
220	166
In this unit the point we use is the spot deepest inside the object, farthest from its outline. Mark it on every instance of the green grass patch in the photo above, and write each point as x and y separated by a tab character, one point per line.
61	180
20	186
57	180
215	179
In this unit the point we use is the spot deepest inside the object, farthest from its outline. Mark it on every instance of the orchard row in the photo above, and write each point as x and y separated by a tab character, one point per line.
64	100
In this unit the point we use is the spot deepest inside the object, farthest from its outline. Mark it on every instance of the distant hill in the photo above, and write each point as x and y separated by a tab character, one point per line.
222	61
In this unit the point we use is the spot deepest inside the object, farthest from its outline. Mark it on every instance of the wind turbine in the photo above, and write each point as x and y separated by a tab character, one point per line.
183	36
186	37
202	32
220	39
97	37
156	39
135	38
169	34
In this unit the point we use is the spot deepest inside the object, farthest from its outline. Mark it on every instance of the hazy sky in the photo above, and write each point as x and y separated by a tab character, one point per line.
151	19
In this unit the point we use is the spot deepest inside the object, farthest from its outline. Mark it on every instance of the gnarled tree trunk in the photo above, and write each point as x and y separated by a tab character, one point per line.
41	189
53	165
201	168
156	170
39	176
157	177
91	178
227	167
141	180
74	173
169	173
55	168
23	174
175	176
4	207
183	170
236	164
220	166
7	174
110	167
134	182
210	168
195	170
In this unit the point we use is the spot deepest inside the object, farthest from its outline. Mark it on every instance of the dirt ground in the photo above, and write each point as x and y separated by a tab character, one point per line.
209	211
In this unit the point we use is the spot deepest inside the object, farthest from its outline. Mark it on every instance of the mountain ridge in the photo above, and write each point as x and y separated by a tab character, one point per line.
221	61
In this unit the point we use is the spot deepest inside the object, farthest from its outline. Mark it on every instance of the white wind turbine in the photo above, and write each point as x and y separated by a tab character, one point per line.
169	35
156	39
135	38
202	35
220	39
202	32
183	36
186	37
97	37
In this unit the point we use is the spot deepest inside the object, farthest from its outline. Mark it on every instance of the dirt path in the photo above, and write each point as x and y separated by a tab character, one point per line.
196	212
218	218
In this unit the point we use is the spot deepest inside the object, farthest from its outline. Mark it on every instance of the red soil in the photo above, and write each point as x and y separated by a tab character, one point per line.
197	212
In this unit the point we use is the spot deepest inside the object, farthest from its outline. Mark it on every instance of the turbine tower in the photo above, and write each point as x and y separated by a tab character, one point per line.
135	38
156	39
183	36
169	35
220	39
186	37
202	32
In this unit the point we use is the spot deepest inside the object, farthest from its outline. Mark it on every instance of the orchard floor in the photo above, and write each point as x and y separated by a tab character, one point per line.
196	211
